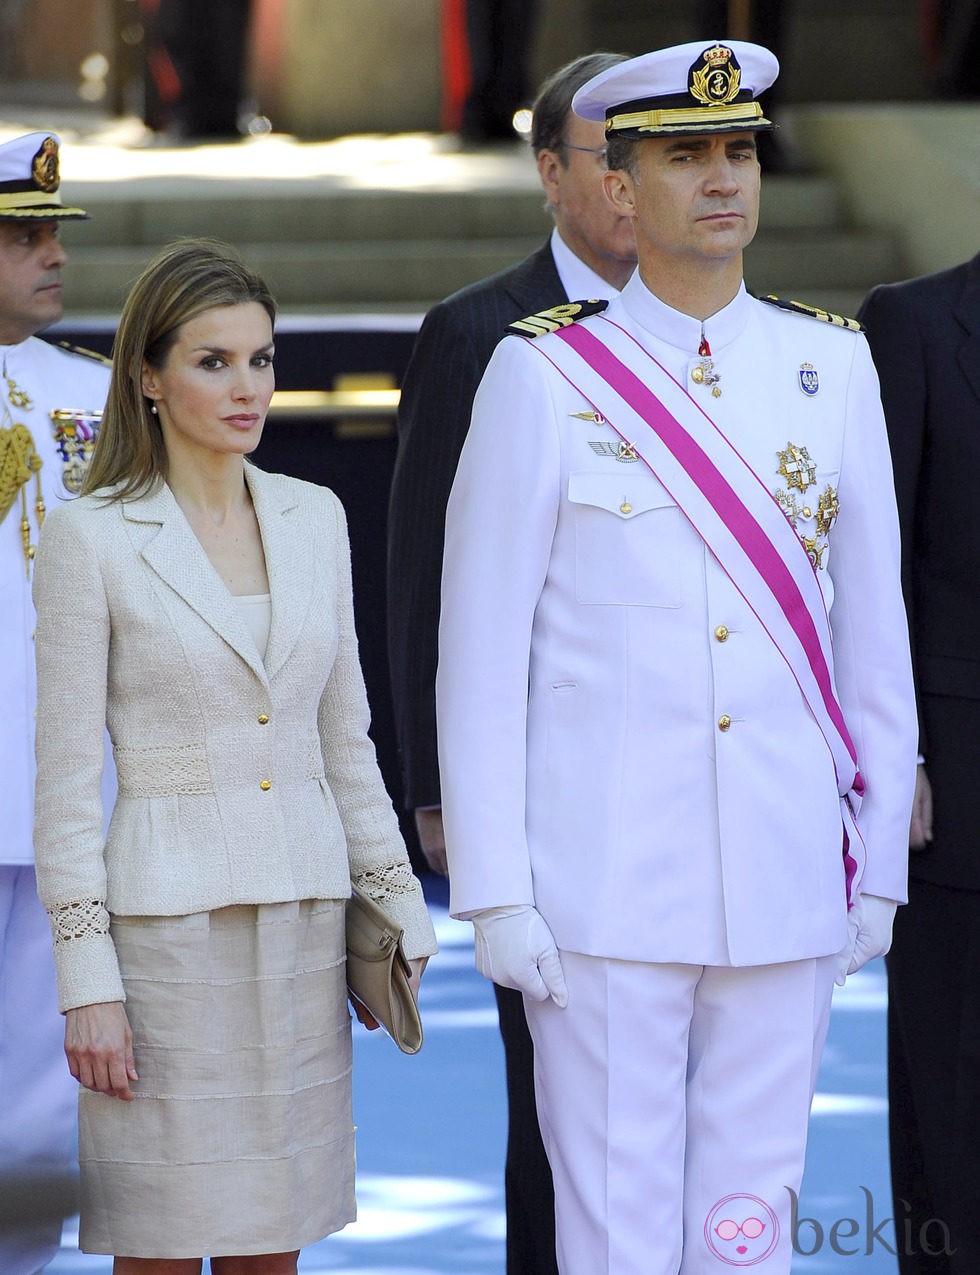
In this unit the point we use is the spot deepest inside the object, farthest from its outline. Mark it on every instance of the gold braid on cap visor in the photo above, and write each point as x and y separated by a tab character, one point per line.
748	112
27	198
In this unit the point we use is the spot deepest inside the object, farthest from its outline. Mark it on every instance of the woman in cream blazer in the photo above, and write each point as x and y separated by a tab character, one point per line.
249	797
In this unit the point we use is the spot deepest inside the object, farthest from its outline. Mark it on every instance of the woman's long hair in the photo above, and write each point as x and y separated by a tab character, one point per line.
182	281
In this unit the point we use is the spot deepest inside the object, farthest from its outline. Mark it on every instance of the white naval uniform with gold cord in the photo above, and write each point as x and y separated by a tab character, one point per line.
37	1093
621	744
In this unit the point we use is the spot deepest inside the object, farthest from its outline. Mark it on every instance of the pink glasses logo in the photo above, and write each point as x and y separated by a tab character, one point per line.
741	1230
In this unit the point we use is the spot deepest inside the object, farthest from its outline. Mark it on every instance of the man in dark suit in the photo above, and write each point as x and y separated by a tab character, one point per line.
925	338
207	43
591	253
499	34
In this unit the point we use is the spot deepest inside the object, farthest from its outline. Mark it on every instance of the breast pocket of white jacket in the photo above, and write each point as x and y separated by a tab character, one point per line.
627	540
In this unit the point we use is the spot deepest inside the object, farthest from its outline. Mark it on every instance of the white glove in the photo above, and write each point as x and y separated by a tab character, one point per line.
869	934
515	948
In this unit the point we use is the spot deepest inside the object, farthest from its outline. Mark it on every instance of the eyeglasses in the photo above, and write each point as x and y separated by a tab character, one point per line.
588	150
751	1228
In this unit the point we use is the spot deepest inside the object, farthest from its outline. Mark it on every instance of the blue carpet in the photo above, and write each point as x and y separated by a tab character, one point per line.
431	1140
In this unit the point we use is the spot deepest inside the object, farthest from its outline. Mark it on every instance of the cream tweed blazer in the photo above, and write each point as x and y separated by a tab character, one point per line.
239	781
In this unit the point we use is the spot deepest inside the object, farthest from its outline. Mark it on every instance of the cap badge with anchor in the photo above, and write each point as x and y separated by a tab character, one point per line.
30	178
689	88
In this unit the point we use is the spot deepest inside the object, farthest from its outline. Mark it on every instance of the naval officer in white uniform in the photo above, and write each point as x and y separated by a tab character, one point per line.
676	724
42	461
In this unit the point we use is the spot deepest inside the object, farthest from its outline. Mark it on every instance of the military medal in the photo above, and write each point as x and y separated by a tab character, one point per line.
828	507
75	433
704	373
800	471
797	467
787	503
814	550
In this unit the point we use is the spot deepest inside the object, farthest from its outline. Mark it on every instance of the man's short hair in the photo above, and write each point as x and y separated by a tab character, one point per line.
554	100
621	154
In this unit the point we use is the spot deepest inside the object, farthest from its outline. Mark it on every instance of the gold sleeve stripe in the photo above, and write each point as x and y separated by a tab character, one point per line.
559	316
814	312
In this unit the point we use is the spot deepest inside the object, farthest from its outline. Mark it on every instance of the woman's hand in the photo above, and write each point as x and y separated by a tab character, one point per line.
99	1048
363	1015
417	966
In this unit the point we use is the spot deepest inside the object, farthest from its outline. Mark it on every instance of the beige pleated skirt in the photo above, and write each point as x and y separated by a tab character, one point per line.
240	1139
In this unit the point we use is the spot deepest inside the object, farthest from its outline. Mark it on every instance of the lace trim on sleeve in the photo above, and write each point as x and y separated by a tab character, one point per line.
390	882
80	919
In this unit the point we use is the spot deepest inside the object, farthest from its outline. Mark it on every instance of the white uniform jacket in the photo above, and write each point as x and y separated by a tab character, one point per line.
52	378
620	742
240	781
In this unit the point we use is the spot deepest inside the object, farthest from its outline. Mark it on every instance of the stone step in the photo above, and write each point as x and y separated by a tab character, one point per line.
416	272
148	212
391	224
842	259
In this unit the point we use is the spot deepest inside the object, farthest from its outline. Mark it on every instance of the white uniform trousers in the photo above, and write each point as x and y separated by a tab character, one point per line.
674	1102
38	1096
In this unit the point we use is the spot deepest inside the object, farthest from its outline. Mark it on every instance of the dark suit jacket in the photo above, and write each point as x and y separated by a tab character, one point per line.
450	355
925	338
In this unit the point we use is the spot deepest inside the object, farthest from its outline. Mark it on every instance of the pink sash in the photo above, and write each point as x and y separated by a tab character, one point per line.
733	512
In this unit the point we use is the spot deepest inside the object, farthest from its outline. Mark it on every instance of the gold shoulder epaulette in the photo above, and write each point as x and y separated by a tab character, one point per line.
801	307
86	354
559	316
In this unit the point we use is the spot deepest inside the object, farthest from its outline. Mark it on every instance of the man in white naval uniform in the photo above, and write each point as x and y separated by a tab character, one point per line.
676	797
41	463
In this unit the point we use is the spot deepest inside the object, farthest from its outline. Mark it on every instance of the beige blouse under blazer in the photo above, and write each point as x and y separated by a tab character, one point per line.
239	781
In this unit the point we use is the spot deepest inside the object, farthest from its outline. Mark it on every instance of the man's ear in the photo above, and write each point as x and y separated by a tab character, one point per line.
549	170
618	185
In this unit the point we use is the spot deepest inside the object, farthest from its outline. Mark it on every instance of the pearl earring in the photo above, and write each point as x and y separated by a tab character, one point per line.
153	408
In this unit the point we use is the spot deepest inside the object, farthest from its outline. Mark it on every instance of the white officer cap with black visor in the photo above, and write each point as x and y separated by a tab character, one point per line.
30	176
701	87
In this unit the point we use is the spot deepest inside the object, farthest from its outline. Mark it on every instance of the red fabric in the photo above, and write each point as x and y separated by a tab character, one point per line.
455	64
158	63
930	33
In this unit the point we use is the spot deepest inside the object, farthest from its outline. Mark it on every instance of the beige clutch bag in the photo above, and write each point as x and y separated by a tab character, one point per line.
378	972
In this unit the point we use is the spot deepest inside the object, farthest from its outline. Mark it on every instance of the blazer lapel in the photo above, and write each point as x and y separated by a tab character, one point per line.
176	555
968	315
289	561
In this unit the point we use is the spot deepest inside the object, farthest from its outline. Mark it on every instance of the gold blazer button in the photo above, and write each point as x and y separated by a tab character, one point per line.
721	633
265	785
724	722
263	719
